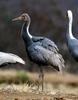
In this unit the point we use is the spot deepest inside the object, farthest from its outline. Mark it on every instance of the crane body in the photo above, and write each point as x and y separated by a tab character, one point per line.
40	50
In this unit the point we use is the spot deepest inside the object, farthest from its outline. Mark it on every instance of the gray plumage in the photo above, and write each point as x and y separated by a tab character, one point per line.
10	58
46	53
44	56
40	50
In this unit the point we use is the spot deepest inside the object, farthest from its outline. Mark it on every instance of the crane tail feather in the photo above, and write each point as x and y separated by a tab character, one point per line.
58	62
10	58
16	58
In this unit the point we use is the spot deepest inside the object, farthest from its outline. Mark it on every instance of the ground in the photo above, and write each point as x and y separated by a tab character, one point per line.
32	96
16	95
56	86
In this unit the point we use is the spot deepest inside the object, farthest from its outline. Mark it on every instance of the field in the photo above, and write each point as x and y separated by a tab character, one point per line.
21	85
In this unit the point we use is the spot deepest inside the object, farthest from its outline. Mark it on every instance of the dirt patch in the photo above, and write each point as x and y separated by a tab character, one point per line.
33	96
24	92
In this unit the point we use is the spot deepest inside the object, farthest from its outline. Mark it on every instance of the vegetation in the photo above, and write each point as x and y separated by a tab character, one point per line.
22	76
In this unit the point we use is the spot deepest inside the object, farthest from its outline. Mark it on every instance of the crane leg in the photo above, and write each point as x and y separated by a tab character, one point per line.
61	70
42	77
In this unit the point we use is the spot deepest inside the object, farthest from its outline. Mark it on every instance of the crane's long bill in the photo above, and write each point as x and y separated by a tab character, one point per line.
15	19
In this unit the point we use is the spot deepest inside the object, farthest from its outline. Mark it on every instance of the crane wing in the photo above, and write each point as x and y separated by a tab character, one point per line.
42	55
10	58
46	43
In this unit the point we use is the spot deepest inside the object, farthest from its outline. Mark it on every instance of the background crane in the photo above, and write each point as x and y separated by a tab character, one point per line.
72	42
40	50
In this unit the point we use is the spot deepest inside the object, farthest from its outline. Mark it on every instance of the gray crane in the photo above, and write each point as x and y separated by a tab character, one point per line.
6	58
40	50
72	42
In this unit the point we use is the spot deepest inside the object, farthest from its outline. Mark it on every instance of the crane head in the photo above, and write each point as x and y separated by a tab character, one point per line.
23	17
69	14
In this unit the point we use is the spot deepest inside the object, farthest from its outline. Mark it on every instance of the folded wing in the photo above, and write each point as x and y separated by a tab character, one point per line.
47	57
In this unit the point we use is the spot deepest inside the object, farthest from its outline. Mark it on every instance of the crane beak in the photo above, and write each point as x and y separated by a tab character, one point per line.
15	19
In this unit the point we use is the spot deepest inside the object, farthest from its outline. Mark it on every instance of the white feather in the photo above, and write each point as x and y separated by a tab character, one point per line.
28	32
10	58
70	16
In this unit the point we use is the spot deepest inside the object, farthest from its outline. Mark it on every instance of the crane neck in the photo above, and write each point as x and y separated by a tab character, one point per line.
28	25
27	37
70	27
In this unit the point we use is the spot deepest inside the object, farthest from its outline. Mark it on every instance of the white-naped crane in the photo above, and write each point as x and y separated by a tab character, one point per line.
40	50
72	42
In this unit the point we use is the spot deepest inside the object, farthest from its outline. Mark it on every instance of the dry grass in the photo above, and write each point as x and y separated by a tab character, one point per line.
16	95
56	86
19	76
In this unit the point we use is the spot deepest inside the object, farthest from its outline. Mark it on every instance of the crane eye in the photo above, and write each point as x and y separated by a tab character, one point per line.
66	16
23	17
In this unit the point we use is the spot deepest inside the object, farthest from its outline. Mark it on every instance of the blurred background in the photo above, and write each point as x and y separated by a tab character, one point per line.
47	19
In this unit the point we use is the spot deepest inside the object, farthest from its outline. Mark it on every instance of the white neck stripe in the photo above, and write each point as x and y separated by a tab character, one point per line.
70	16
28	32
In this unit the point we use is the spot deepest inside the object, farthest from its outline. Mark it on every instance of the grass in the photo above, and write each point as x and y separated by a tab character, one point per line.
15	76
12	76
22	76
21	92
56	86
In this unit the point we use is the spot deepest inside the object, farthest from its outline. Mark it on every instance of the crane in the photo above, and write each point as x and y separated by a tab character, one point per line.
6	58
40	50
72	42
